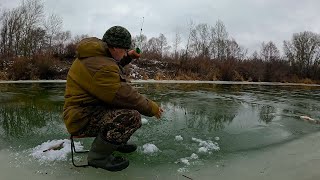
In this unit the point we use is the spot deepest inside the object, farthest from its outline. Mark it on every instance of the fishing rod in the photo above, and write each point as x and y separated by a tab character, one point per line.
138	50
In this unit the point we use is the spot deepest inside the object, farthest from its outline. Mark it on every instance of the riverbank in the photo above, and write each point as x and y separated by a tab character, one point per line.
178	81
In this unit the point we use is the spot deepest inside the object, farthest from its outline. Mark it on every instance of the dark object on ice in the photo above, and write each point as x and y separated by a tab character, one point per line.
187	177
310	120
100	156
55	147
125	148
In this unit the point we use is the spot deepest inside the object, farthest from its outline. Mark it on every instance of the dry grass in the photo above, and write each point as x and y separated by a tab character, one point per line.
3	76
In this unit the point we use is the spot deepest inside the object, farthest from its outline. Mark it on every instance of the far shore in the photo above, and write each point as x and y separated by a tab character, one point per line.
177	81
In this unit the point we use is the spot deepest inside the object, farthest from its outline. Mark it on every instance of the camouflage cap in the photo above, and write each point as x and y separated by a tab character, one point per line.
118	36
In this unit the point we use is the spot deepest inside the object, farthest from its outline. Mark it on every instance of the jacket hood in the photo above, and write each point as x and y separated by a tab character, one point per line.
91	47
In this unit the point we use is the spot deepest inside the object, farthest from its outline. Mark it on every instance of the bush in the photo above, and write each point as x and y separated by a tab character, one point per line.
40	66
3	76
20	69
45	67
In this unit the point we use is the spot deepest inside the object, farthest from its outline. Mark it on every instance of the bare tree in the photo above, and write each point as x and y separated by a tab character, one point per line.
269	51
38	40
154	47
53	26
18	27
176	43
199	41
219	38
33	13
255	56
234	50
11	31
303	51
163	44
141	42
78	38
191	24
61	41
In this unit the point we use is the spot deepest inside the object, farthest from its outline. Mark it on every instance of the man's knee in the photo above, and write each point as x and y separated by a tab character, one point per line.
135	118
128	118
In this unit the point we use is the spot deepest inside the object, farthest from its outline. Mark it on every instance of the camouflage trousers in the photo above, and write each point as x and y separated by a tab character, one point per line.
115	125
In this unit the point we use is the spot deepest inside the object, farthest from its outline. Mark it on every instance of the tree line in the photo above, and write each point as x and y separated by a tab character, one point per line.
34	46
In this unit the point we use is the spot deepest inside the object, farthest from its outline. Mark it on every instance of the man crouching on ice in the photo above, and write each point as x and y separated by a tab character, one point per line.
99	102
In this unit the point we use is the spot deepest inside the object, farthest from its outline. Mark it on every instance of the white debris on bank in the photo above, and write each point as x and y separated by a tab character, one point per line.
206	146
54	150
149	149
179	138
136	72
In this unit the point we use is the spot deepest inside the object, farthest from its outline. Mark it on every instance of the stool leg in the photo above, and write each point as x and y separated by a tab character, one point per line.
73	150
74	147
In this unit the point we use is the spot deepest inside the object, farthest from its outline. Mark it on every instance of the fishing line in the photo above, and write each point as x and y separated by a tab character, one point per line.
138	50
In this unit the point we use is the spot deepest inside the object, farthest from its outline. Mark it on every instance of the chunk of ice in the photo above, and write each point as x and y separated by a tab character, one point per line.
150	148
144	121
179	138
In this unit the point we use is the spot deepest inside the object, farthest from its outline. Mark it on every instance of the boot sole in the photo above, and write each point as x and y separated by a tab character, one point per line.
113	169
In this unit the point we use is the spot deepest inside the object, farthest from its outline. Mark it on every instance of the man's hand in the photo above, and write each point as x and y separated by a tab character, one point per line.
133	54
159	113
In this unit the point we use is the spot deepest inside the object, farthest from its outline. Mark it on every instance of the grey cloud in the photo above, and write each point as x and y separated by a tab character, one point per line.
250	22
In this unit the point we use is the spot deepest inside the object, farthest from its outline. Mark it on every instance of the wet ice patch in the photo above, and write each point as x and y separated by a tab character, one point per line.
149	149
206	146
54	150
144	121
179	138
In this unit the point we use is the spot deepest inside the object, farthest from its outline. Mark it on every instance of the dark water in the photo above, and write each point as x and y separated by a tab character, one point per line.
240	118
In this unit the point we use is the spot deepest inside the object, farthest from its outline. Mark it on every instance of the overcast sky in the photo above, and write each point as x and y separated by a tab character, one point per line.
249	22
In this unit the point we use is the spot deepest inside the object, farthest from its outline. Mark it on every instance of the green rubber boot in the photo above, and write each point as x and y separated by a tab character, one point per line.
127	148
100	156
